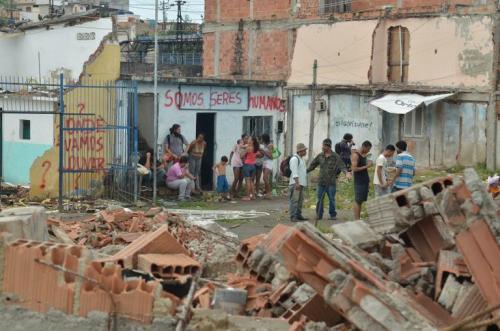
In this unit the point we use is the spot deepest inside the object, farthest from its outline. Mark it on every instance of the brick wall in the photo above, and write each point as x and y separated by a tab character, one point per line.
268	59
270	53
208	54
433	5
271	9
234	10
210	10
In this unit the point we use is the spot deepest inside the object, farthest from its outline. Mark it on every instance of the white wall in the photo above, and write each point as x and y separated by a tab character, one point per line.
58	47
228	123
302	122
18	154
353	114
348	114
41	125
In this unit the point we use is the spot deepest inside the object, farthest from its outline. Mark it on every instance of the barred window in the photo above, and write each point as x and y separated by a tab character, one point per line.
336	6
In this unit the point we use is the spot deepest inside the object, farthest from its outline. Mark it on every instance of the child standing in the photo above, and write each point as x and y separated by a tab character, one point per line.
222	184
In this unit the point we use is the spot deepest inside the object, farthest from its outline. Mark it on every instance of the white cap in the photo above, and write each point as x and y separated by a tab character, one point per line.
493	179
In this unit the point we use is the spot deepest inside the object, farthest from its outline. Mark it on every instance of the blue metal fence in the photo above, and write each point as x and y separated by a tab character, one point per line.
94	129
99	157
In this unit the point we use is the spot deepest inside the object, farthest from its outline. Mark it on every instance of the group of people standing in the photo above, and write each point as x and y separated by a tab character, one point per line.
252	160
180	167
354	163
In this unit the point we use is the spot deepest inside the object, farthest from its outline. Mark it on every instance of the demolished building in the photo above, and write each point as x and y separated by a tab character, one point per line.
425	259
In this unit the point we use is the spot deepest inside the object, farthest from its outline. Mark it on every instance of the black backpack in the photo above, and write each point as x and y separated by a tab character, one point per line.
285	167
337	148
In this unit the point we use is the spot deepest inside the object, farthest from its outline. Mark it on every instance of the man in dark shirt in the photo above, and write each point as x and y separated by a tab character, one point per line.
360	166
343	148
330	165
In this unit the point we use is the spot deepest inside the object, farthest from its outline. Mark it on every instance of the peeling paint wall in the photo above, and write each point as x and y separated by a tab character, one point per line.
444	51
103	66
455	134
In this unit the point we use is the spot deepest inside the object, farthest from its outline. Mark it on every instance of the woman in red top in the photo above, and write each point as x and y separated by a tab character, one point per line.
252	149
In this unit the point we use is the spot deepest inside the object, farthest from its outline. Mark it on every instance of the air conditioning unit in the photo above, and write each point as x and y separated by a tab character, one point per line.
321	105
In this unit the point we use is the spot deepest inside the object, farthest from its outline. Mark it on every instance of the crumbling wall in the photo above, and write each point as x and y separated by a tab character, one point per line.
276	21
103	66
444	51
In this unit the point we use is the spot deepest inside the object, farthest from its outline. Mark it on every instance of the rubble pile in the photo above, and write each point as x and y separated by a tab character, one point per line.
11	195
121	227
426	259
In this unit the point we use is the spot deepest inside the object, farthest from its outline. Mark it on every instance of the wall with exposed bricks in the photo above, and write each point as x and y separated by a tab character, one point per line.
263	54
269	28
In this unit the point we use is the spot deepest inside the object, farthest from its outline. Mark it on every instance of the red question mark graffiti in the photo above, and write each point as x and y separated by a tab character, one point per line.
77	180
48	164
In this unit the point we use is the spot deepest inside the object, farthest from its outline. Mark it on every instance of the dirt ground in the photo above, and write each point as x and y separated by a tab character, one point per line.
277	208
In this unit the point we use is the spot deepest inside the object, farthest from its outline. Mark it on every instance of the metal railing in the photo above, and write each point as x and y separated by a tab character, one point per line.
93	128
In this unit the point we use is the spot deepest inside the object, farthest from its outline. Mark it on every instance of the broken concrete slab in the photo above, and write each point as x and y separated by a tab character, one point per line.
449	293
357	233
232	301
449	262
25	223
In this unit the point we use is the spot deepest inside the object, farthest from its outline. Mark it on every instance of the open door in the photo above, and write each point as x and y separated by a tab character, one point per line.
205	123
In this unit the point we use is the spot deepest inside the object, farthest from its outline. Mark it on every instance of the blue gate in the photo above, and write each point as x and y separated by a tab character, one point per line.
99	139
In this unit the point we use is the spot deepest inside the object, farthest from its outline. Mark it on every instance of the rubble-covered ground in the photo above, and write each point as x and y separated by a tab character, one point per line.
426	258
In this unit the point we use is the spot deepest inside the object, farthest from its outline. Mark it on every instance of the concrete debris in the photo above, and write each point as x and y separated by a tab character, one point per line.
26	223
426	259
357	233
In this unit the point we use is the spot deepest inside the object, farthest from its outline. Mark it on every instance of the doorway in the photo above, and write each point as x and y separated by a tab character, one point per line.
205	123
145	121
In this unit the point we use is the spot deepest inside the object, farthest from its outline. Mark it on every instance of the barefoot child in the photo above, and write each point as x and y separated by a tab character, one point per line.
222	185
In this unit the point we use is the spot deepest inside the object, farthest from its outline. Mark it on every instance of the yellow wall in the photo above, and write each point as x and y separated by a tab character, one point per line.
83	150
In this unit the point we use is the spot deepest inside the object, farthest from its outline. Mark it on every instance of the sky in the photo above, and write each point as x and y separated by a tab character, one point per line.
146	9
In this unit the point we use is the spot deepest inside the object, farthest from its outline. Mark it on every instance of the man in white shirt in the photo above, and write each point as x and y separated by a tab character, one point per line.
297	184
381	185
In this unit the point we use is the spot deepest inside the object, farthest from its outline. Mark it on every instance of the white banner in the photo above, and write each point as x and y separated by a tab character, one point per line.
404	103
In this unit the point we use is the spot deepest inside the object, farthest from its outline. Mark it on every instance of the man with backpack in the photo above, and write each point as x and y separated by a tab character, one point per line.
295	168
330	166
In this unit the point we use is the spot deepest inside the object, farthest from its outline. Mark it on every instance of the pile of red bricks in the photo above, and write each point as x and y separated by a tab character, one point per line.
111	227
131	284
426	259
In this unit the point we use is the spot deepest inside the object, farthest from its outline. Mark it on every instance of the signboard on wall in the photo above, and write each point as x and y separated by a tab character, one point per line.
189	97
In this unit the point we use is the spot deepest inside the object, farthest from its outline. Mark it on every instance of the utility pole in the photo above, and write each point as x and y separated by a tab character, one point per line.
155	102
313	110
179	26
164	5
179	35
